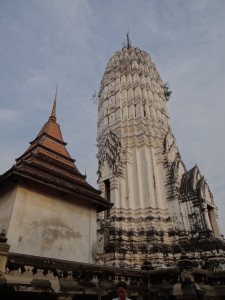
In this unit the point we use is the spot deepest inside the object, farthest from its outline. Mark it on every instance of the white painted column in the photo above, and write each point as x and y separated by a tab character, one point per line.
206	217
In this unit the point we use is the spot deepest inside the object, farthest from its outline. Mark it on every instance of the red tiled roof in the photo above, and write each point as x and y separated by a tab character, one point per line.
47	161
49	143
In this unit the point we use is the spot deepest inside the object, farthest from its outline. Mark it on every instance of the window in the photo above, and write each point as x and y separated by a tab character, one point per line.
107	196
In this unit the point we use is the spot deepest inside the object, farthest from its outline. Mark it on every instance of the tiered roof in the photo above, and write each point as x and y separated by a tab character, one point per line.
48	162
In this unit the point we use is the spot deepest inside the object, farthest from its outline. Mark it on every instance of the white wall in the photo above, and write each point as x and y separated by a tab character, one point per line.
52	227
7	200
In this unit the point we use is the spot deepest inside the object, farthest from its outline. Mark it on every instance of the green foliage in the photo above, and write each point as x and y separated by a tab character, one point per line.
167	91
94	98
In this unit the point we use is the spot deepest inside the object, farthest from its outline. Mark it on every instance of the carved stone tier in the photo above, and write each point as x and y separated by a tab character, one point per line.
158	204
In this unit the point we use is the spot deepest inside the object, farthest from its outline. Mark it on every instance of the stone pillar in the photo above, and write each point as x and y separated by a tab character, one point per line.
215	227
4	249
206	217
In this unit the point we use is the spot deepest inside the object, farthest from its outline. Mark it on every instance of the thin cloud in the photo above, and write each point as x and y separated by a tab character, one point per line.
45	43
8	116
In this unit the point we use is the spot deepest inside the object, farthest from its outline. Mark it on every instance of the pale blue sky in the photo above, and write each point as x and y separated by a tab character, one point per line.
68	42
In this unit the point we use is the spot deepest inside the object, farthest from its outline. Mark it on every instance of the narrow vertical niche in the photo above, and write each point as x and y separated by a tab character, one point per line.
144	111
107	196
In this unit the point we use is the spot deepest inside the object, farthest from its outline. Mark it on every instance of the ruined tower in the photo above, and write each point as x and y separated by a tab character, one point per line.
160	209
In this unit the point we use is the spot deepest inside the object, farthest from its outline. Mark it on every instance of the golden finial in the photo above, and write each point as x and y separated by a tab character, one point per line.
53	114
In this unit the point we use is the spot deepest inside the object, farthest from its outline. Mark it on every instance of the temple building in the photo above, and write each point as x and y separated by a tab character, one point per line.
160	209
46	206
152	224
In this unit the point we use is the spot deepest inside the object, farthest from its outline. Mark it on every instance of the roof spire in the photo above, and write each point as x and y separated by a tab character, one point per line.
127	43
53	114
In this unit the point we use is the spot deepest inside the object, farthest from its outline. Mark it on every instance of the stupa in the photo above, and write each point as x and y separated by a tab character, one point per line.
160	210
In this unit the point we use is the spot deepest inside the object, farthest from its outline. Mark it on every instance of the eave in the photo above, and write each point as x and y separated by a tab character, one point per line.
79	192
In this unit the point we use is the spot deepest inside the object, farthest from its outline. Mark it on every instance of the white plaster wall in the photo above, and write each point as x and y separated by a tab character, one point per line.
52	227
7	200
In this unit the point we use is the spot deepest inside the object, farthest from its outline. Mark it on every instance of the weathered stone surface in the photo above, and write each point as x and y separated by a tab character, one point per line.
160	209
